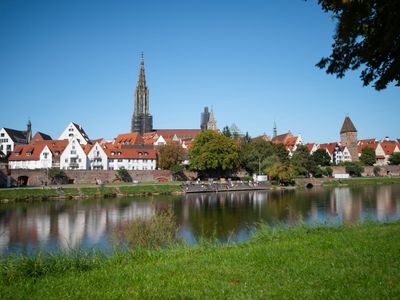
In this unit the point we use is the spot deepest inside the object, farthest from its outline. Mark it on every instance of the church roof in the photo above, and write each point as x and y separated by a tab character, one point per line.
348	126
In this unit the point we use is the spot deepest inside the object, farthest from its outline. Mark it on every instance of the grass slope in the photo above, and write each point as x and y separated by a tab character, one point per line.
361	261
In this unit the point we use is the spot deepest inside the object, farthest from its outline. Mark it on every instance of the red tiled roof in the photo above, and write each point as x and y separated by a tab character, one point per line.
291	141
99	140
21	151
132	138
366	144
180	133
330	147
40	136
86	148
282	138
310	146
389	147
130	153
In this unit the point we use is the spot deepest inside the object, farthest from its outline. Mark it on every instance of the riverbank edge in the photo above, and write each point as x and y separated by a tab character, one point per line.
347	261
173	188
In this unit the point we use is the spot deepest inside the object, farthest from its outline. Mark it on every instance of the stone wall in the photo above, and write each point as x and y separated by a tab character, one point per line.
369	170
39	177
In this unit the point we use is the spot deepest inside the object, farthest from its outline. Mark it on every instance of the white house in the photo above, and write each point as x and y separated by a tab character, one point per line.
97	158
74	156
74	130
9	138
131	158
41	155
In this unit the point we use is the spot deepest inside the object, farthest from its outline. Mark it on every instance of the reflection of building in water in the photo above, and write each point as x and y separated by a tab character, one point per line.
4	237
347	205
71	229
385	206
96	223
42	227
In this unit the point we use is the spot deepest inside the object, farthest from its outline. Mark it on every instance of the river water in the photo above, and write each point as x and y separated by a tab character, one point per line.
229	217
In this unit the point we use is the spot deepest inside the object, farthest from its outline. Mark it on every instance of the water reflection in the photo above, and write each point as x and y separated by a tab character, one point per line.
50	226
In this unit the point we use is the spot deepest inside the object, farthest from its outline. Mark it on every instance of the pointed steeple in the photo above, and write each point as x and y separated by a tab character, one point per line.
142	121
275	131
348	126
29	131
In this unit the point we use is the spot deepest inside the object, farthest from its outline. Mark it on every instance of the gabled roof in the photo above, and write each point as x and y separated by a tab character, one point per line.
389	147
330	147
366	141
132	138
130	153
40	136
82	132
180	133
367	144
16	134
21	151
99	140
310	146
348	126
282	138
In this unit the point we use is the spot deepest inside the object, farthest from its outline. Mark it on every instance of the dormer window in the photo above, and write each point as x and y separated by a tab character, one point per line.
17	154
119	153
112	153
28	153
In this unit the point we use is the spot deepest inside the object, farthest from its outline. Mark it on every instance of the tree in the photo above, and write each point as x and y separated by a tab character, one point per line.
280	151
368	156
57	176
367	34
214	154
170	155
354	169
394	159
254	154
321	157
282	171
302	162
226	131
123	175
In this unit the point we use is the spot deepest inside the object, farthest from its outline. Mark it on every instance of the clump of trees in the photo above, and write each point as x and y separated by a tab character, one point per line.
354	169
214	154
123	175
368	157
394	159
57	176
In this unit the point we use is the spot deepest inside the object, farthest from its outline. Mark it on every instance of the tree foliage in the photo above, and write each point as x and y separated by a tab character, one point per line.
367	35
214	154
354	169
282	171
302	162
321	157
254	154
394	159
170	155
57	176
123	175
368	156
226	131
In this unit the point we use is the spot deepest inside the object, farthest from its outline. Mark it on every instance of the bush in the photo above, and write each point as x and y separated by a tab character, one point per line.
395	159
354	169
376	170
57	176
328	171
123	175
157	232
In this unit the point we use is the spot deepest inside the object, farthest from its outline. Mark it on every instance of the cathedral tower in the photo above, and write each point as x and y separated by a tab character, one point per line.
348	138
142	120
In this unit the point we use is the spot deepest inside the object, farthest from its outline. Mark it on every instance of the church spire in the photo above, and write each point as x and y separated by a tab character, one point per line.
142	121
275	131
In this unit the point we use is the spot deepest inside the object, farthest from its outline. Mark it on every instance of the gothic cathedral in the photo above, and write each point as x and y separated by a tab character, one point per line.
142	120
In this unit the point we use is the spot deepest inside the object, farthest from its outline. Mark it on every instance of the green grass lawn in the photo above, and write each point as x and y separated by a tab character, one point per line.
347	262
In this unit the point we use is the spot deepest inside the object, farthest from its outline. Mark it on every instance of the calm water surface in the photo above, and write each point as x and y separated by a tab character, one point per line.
88	224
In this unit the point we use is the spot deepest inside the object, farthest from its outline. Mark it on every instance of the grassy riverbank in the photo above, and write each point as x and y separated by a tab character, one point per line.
361	261
362	181
86	191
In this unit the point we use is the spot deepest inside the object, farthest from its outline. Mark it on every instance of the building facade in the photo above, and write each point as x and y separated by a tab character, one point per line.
348	138
142	120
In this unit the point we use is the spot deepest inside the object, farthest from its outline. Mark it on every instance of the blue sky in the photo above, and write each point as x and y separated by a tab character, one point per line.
252	61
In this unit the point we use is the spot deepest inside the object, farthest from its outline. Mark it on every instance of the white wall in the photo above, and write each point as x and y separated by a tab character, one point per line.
132	164
72	132
97	158
73	157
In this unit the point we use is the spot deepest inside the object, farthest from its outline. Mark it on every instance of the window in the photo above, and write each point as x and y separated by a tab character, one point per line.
80	160
28	153
71	135
112	153
71	129
56	153
119	153
119	160
45	155
2	134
